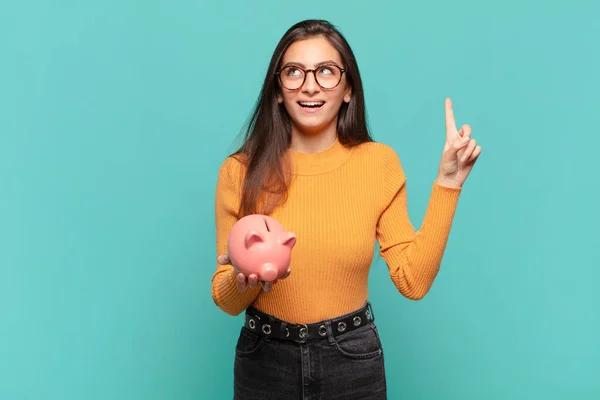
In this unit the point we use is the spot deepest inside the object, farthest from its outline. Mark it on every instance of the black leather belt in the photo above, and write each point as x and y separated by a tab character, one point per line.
268	325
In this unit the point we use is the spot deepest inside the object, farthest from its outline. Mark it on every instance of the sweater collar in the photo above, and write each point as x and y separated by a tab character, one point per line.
320	162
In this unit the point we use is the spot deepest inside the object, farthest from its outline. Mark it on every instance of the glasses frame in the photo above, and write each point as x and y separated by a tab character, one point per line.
313	70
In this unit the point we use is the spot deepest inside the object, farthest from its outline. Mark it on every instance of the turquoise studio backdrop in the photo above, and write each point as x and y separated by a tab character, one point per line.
116	115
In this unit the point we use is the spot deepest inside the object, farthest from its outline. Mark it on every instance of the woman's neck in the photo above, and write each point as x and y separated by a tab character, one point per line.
313	142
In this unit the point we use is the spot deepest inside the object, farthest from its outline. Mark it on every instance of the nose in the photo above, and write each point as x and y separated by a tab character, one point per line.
310	85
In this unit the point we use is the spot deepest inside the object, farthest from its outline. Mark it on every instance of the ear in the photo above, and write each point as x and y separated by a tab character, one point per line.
279	98
348	95
287	239
253	237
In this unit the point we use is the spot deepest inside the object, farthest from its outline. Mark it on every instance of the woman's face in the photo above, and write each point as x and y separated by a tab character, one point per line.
312	108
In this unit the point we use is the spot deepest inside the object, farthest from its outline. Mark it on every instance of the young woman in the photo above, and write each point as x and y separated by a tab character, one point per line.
309	161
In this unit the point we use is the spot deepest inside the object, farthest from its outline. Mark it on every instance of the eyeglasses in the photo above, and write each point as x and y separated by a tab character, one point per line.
327	76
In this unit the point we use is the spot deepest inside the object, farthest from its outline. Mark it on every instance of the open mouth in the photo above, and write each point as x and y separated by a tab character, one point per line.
311	104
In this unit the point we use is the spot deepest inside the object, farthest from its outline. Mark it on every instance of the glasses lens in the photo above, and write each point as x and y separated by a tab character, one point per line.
292	77
328	76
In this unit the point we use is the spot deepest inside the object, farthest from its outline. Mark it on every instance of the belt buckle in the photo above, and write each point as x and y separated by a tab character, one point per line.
303	333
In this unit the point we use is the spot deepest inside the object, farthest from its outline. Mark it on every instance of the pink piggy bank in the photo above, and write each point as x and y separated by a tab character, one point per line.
259	244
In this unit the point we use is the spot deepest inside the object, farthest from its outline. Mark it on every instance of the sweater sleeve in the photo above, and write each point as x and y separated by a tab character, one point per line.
413	258
227	200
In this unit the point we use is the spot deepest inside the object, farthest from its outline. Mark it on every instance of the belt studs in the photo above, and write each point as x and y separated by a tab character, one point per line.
266	328
322	330
251	323
302	333
341	326
356	321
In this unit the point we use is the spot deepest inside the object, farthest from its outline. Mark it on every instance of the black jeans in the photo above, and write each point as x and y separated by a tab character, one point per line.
347	366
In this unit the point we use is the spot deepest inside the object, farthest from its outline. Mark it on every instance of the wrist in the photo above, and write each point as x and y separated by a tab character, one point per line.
449	183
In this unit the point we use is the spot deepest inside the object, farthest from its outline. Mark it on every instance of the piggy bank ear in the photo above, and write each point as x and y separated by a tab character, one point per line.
287	239
253	237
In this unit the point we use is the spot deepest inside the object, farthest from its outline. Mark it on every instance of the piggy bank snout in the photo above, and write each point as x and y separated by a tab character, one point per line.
269	272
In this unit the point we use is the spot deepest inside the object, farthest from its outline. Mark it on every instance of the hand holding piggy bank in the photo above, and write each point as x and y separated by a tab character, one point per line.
259	245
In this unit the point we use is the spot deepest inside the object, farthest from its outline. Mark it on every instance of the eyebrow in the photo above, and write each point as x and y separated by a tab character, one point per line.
316	65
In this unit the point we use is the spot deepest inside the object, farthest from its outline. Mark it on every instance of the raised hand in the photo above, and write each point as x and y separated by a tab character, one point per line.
251	281
460	152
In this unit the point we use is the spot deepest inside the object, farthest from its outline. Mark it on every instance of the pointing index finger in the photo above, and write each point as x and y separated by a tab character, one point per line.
450	122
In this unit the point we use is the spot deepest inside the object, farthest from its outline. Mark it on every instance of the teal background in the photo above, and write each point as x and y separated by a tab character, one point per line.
114	119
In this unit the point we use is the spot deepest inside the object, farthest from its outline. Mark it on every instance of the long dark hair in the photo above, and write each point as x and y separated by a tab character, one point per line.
268	133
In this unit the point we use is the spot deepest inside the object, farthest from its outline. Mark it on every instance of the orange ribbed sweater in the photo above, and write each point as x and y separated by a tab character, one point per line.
340	201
